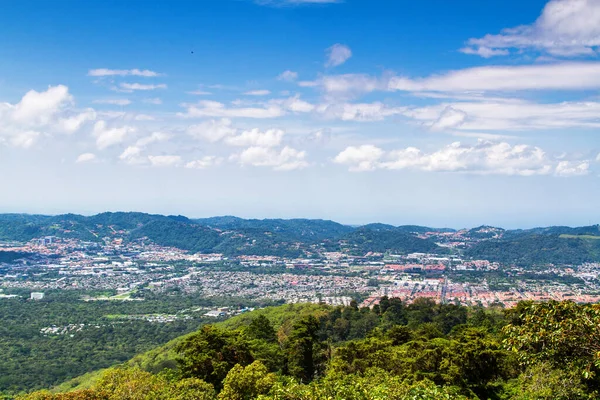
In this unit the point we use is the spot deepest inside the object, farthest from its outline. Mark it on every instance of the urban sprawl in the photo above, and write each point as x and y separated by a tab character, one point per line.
128	269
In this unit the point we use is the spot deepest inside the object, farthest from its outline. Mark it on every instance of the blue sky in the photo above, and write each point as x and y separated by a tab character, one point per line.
434	112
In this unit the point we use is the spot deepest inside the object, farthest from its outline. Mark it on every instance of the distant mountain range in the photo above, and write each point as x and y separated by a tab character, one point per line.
304	237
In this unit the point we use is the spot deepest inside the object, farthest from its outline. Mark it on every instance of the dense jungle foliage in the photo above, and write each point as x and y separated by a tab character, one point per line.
422	350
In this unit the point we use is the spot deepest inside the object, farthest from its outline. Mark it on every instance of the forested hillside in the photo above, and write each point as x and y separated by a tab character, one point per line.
393	351
234	236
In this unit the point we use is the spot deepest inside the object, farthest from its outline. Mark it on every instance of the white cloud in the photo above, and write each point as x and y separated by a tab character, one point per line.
24	139
40	107
212	130
348	86
507	114
117	102
85	157
208	108
262	92
153	138
561	76
141	86
484	52
256	138
40	114
337	55
485	157
204	162
361	158
143	117
155	101
565	28
294	104
449	118
73	123
572	168
101	72
106	137
288	76
133	155
358	111
286	159
165	161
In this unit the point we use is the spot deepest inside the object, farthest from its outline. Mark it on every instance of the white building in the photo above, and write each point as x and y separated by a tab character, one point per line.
37	296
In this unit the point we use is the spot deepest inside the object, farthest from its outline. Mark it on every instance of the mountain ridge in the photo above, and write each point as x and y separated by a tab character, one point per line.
301	237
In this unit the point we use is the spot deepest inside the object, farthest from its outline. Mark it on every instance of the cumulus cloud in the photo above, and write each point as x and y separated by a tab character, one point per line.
212	130
254	137
565	28
107	137
40	107
85	157
74	121
102	72
153	138
572	168
165	161
485	157
41	114
360	158
204	162
286	159
288	76
294	104
24	139
337	55
133	155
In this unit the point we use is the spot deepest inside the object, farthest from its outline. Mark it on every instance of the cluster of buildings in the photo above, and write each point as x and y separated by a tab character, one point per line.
128	269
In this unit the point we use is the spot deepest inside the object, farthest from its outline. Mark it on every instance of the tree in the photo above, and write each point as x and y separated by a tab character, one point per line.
542	382
562	333
192	389
261	328
246	383
304	350
210	353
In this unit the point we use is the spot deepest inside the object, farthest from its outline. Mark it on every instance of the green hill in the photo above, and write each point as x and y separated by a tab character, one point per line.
536	248
234	236
422	351
227	235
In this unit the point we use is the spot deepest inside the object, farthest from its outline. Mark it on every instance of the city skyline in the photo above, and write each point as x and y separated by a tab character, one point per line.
433	114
